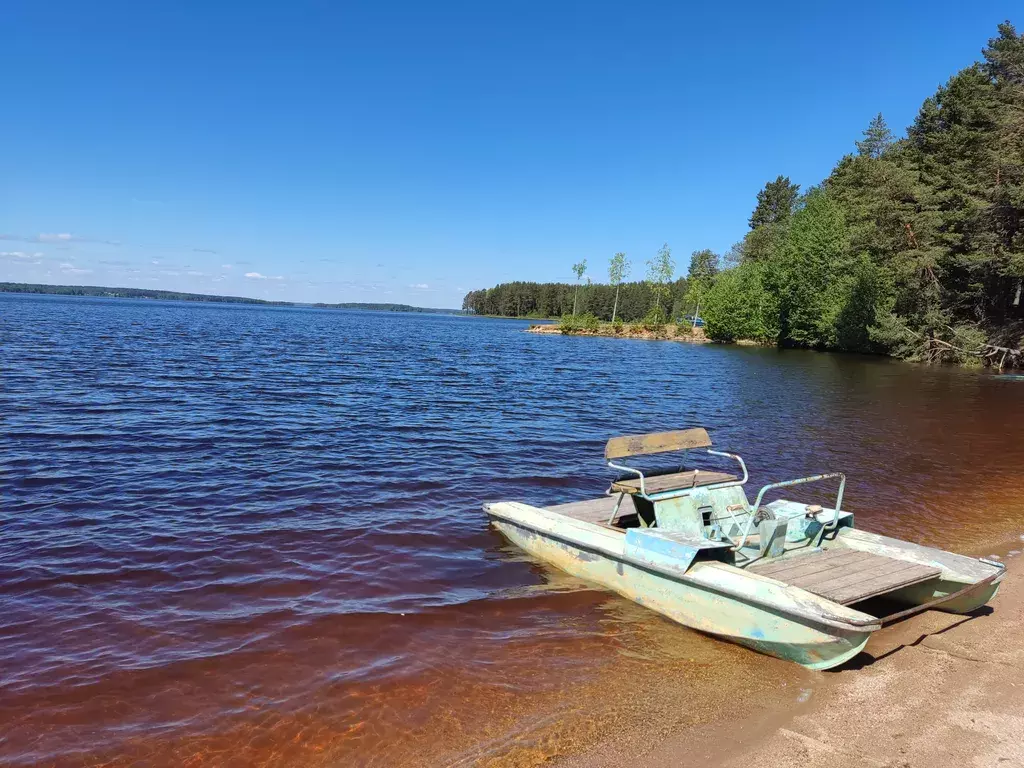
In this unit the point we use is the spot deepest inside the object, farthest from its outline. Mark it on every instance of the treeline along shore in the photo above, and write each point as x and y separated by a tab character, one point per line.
911	247
128	293
152	293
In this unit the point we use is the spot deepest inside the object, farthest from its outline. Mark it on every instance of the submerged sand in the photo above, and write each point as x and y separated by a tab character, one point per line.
935	690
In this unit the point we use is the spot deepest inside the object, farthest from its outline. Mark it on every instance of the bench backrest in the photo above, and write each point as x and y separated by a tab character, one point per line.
656	442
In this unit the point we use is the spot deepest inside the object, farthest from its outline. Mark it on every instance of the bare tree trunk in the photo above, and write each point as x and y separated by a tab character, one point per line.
615	307
575	297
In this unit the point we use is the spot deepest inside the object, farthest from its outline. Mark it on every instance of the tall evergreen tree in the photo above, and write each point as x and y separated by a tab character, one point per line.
703	265
877	138
775	202
1004	63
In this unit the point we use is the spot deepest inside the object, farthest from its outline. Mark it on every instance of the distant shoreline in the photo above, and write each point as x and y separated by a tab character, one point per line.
104	292
374	307
99	291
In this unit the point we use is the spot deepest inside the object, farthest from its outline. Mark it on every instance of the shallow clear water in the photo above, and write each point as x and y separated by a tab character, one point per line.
249	535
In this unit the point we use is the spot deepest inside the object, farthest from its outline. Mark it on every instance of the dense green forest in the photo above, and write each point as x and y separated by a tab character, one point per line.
556	299
912	247
128	293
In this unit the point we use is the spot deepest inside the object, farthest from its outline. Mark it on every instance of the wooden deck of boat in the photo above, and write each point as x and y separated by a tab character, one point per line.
844	575
595	510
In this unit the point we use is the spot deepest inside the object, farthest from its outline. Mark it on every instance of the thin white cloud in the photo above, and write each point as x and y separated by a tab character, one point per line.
225	266
21	255
196	273
63	237
71	269
420	286
258	276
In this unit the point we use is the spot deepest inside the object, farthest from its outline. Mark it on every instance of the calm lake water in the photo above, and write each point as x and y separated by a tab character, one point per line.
239	535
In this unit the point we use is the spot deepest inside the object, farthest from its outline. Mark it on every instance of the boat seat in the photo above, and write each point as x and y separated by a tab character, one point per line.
673	482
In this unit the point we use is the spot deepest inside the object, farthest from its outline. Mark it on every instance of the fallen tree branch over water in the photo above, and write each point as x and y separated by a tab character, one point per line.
1015	357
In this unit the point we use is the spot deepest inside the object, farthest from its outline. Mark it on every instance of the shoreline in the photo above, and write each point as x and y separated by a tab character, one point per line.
608	331
936	689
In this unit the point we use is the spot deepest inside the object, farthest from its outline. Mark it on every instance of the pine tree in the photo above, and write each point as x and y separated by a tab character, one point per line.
775	202
703	265
1004	62
877	138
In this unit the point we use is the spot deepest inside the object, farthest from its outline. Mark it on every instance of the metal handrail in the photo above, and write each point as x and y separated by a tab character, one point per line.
786	484
743	466
637	472
712	486
684	491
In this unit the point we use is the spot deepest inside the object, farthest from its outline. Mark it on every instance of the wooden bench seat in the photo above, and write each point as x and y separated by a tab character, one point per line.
673	482
845	575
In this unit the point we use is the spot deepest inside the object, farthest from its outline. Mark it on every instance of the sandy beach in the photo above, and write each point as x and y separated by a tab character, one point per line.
935	690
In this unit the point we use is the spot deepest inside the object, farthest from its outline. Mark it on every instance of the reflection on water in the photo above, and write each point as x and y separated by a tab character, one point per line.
252	536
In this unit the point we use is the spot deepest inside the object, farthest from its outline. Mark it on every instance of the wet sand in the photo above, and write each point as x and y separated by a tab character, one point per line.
934	690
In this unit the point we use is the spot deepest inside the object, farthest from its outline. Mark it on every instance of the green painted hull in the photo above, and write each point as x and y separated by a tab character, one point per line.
703	599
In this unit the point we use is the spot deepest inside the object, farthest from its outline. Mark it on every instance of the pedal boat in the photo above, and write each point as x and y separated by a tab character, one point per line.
784	578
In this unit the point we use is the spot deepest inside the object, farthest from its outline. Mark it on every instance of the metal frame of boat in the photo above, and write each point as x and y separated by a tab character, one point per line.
785	578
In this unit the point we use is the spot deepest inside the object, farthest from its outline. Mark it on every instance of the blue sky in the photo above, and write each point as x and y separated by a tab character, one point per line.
410	152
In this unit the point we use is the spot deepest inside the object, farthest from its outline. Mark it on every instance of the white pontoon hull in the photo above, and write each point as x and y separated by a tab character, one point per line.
711	597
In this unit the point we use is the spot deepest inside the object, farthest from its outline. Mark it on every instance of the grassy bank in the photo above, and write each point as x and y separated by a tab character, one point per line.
1001	358
588	325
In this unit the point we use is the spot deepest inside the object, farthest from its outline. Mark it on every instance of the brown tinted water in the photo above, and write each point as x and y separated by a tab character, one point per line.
252	536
